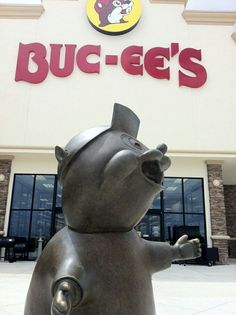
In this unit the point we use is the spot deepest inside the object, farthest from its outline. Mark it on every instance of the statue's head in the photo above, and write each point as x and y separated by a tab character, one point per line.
108	177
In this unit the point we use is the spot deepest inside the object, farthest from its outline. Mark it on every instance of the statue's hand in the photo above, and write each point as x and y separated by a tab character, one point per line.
66	294
184	249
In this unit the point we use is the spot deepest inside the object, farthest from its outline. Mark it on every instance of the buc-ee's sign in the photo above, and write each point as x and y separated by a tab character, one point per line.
134	60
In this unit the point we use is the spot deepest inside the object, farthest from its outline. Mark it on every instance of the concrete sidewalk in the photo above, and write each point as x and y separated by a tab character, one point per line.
180	290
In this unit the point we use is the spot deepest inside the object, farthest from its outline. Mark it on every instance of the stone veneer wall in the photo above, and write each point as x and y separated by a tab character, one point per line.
217	210
5	169
230	206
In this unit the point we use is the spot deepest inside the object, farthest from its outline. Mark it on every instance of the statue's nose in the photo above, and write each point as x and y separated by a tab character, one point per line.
156	156
162	147
151	155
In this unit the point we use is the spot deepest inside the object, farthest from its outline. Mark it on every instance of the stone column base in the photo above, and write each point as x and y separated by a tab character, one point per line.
221	242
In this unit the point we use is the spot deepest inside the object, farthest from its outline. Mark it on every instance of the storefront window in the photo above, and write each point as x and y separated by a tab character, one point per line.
171	222
59	221
19	224
36	209
156	204
196	220
41	224
43	192
33	208
180	207
150	227
58	197
193	195
172	200
23	192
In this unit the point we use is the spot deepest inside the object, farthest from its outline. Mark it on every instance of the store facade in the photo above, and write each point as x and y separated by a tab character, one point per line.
61	75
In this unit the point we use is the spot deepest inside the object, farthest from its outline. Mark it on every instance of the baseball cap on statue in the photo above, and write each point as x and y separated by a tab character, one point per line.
123	119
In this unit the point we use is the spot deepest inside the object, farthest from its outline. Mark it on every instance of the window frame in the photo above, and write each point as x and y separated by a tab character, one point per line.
31	210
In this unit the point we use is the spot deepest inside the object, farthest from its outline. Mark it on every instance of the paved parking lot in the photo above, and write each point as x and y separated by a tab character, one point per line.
180	290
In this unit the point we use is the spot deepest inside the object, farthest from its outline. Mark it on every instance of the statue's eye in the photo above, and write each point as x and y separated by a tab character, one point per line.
116	3
135	143
132	142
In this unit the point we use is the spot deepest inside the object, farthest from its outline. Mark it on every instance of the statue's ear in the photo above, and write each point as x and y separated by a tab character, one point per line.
60	154
124	119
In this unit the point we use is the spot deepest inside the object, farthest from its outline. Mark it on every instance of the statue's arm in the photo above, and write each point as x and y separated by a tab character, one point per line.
161	254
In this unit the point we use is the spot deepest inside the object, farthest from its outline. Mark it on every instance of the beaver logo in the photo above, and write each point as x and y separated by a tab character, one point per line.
111	12
113	16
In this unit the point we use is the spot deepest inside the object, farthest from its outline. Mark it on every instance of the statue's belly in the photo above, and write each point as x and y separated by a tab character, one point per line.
115	278
118	292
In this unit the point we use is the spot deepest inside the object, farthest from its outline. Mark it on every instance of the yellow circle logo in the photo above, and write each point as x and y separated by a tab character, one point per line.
114	17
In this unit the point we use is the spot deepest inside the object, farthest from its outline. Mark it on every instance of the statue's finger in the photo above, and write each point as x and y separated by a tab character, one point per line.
195	241
183	239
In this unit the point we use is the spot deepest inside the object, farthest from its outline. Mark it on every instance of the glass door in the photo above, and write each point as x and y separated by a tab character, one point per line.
58	219
150	227
41	214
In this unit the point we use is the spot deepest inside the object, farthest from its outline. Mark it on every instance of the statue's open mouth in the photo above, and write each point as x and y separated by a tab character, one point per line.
152	172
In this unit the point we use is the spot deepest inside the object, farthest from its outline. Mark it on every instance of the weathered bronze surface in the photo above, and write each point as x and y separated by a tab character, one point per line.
97	264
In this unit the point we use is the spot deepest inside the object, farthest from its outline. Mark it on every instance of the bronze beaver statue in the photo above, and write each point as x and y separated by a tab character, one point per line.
97	264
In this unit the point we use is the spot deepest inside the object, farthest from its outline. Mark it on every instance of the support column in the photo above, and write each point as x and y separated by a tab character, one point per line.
230	207
217	209
5	171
